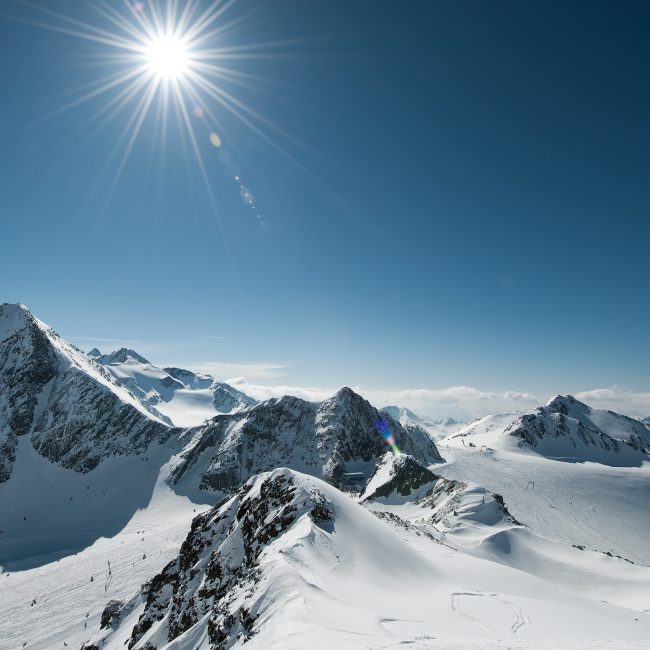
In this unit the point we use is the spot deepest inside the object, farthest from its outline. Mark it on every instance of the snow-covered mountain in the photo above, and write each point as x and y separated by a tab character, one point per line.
335	439
181	397
71	410
291	562
563	429
322	538
437	428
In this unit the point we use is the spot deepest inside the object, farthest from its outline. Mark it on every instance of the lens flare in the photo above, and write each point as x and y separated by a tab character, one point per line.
383	428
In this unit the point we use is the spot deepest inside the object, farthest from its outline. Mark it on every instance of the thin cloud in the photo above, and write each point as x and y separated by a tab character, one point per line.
208	336
101	339
220	369
616	398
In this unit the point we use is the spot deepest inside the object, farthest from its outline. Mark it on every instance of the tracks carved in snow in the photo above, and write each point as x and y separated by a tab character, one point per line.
521	618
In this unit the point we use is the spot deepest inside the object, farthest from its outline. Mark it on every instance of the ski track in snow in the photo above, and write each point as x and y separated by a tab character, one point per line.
521	619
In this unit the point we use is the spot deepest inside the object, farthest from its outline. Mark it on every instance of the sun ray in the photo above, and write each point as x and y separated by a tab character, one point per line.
92	33
209	16
104	9
169	64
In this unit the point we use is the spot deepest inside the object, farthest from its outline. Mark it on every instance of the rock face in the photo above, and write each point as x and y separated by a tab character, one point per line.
212	584
327	439
566	427
71	409
228	399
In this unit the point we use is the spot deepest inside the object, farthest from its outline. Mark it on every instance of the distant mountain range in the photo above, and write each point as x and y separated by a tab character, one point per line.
180	397
148	507
437	428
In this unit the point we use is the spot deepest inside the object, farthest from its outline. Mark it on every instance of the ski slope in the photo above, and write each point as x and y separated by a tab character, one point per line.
348	579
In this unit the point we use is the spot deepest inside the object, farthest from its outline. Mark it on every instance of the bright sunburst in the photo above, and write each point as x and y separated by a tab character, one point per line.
167	60
167	57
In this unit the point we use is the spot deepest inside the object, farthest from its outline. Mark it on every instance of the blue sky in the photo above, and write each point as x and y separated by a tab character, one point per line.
465	203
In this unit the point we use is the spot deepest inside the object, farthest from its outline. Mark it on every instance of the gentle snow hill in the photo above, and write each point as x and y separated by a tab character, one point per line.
473	520
438	429
181	397
291	562
70	409
565	429
335	439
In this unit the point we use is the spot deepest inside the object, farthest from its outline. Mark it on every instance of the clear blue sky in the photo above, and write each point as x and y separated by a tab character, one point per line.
470	206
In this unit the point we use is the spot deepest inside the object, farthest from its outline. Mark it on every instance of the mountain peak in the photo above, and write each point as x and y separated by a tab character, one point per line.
562	403
120	356
94	353
345	393
13	318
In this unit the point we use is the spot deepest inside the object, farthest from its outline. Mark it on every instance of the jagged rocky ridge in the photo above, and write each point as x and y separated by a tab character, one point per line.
74	413
328	439
214	583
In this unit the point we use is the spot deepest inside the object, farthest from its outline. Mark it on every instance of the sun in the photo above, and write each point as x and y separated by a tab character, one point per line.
167	57
169	60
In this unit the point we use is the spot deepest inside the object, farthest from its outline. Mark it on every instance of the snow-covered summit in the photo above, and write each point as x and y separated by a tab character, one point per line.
563	429
620	427
73	411
123	355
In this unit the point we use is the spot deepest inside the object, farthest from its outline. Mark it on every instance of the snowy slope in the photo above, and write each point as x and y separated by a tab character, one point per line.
332	439
128	518
73	412
181	397
475	521
290	562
